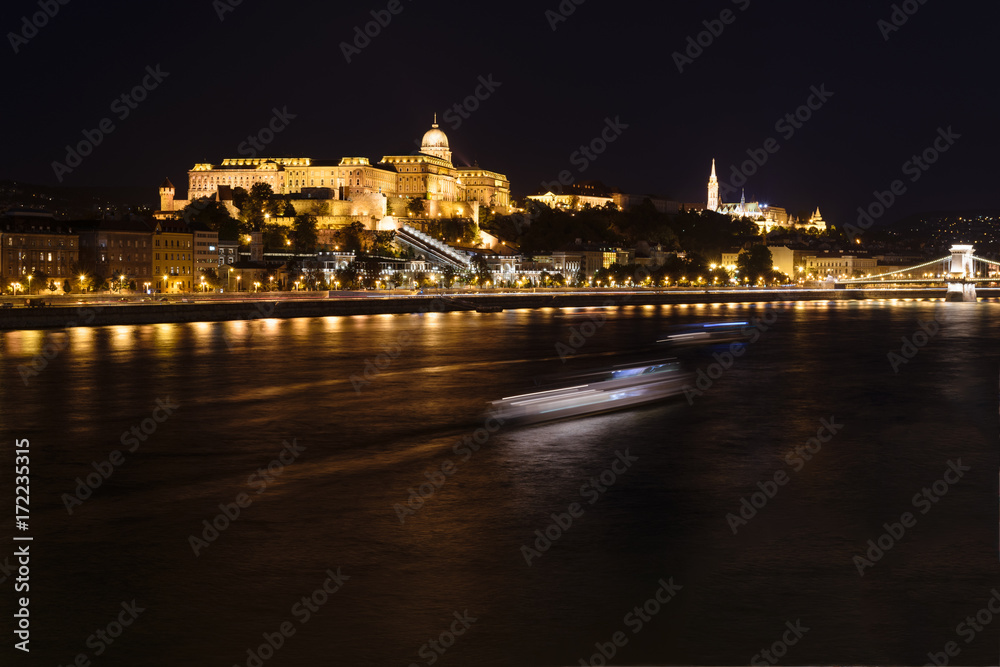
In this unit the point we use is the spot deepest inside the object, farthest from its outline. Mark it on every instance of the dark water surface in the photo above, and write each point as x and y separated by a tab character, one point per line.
244	389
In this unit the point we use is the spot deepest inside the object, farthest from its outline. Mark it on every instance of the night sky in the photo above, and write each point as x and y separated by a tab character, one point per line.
556	90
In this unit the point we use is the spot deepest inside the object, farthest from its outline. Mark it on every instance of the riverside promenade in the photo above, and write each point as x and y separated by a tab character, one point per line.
102	310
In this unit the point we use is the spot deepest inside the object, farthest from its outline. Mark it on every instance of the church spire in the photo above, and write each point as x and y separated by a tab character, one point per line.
435	120
713	190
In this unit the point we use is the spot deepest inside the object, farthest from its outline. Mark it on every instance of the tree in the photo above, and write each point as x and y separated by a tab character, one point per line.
415	206
253	205
348	276
52	286
382	245
275	237
208	212
67	286
304	234
211	278
481	269
367	269
755	263
352	237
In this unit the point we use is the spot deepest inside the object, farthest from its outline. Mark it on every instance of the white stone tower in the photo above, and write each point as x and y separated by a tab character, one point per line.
713	190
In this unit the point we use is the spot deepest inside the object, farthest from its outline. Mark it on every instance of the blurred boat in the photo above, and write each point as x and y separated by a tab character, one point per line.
706	334
615	388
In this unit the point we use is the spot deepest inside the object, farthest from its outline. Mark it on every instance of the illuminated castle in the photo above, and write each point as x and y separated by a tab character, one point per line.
767	217
428	174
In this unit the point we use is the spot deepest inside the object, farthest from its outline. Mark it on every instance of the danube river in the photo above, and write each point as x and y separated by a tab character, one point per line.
374	529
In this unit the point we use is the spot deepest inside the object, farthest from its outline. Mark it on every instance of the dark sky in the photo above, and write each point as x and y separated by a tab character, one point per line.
556	88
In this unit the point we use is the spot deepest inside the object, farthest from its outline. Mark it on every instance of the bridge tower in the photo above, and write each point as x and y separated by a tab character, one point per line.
959	278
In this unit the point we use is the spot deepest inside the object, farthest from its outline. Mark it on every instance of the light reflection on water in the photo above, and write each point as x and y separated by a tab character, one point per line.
247	386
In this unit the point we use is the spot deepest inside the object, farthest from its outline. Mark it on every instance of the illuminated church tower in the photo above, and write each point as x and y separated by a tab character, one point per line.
713	190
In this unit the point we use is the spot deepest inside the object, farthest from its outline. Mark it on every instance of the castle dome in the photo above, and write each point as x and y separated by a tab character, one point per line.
435	138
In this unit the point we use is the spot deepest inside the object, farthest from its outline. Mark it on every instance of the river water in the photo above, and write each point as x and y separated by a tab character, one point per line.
348	459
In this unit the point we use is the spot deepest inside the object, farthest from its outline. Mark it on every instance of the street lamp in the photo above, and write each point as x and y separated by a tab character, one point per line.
82	277
29	282
166	286
238	279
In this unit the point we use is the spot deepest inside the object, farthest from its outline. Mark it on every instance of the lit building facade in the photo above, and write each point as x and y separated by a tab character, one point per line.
206	249
33	241
173	256
766	217
123	248
428	174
